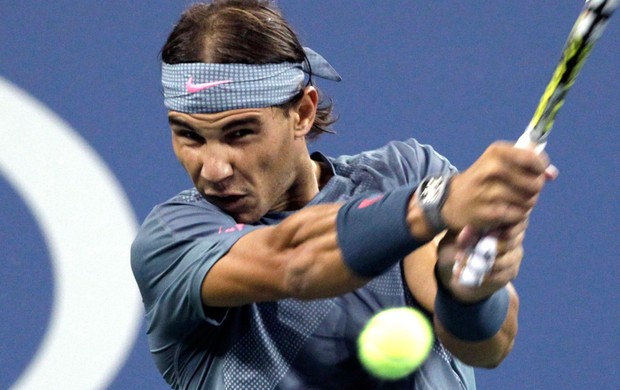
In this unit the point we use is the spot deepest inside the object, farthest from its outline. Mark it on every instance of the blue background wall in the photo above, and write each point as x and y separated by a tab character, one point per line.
457	75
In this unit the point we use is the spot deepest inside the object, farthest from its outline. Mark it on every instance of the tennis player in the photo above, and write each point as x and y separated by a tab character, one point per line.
262	275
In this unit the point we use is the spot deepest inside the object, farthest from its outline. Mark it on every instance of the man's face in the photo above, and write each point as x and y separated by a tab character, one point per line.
247	161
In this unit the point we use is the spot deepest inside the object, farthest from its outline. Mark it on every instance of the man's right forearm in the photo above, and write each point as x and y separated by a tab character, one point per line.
320	251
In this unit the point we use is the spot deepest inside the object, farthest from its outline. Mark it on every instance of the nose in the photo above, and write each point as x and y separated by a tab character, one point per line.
216	166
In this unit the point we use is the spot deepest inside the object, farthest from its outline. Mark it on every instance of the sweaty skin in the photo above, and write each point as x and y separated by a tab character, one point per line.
252	161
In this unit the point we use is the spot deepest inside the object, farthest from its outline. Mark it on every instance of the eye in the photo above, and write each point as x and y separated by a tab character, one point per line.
241	133
189	135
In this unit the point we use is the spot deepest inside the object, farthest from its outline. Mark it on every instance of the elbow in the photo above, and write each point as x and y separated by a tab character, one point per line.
492	361
485	354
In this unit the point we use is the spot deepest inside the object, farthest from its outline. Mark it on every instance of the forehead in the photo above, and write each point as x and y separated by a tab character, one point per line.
224	119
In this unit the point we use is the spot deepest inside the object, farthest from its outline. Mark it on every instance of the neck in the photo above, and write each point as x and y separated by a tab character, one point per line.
317	170
306	186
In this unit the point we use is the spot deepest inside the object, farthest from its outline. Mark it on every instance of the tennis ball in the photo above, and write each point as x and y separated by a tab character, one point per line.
395	342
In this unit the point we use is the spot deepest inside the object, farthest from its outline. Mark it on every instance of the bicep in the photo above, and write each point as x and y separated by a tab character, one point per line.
299	258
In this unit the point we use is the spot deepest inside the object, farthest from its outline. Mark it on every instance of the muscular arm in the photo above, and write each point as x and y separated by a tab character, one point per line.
487	353
298	258
301	257
419	274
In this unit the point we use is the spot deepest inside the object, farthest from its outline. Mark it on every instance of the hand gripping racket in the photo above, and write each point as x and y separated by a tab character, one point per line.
586	31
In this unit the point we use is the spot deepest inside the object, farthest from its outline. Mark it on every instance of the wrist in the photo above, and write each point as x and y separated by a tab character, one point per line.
417	222
373	233
430	197
475	321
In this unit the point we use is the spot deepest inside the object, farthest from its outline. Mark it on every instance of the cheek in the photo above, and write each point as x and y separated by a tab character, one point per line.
281	170
188	161
270	171
277	157
179	152
274	160
267	168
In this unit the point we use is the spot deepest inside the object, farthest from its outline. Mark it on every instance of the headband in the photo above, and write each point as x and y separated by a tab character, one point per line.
199	87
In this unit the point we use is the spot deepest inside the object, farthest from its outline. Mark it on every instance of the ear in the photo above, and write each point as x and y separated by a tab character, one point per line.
305	111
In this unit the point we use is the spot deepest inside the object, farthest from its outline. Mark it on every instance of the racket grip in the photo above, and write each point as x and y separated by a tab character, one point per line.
481	257
479	261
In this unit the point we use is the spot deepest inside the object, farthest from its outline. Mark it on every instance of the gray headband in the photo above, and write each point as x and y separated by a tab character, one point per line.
207	88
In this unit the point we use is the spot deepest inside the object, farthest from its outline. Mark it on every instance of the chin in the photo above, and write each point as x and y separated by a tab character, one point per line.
246	218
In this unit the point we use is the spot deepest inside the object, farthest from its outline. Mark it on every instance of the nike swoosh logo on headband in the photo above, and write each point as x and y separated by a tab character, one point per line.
193	88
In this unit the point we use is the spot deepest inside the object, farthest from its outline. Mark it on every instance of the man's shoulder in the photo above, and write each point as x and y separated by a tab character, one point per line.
190	200
393	164
389	153
174	227
186	214
190	196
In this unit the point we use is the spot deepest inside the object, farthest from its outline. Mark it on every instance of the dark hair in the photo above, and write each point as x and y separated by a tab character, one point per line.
241	31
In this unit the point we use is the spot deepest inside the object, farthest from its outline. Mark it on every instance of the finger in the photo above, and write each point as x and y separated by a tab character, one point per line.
506	267
511	231
523	185
507	259
505	246
525	159
552	172
504	184
528	160
468	237
498	215
500	278
513	203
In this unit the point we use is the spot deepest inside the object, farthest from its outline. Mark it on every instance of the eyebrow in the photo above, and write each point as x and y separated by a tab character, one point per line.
179	122
230	125
242	122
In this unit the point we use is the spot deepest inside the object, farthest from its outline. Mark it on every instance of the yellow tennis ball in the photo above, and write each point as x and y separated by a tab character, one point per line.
395	342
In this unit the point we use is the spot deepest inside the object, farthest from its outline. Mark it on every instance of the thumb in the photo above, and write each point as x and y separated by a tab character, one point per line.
467	237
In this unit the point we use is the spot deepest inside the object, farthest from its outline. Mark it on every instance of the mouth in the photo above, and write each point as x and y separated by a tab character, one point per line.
227	202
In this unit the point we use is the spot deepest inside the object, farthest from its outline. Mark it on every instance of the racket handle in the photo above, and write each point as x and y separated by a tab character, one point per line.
480	258
479	261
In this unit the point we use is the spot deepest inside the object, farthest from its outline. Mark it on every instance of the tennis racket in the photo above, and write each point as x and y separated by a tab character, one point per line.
587	30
